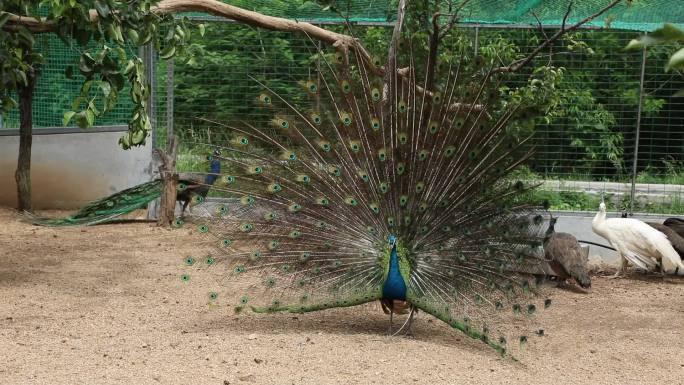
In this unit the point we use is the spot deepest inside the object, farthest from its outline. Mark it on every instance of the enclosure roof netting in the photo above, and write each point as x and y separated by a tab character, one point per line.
640	15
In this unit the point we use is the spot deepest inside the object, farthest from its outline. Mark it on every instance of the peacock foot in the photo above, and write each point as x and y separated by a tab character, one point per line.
618	274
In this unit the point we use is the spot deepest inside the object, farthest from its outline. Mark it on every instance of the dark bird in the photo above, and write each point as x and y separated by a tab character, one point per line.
676	224
190	190
567	259
675	239
123	202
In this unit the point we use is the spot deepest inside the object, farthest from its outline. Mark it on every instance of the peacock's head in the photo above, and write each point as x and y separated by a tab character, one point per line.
392	240
602	207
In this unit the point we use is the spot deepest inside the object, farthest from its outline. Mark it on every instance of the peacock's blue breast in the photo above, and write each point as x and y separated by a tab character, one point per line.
394	287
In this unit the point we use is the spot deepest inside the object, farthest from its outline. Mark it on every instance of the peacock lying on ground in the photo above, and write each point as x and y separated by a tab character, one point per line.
123	202
380	190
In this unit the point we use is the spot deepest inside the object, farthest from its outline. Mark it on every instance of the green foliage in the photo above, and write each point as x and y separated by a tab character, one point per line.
565	200
668	34
587	117
18	60
671	172
106	62
215	78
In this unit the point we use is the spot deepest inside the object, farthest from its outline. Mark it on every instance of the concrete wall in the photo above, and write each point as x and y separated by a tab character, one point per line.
70	167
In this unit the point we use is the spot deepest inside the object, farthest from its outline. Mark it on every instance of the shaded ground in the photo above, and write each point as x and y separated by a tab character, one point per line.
104	305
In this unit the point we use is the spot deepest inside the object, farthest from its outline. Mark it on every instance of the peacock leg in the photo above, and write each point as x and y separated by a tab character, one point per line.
389	332
185	205
407	324
621	269
409	327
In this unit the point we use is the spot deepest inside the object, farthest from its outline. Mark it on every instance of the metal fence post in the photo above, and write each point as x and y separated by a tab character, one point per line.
169	99
638	131
477	40
148	57
147	54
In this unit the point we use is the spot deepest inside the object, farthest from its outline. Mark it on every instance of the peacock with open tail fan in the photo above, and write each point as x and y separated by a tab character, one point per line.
190	191
384	190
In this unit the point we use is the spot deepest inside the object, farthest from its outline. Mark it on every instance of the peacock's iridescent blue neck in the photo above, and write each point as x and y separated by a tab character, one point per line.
394	286
214	169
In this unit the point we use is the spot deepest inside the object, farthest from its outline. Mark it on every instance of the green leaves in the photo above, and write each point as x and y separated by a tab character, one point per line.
667	34
102	9
86	64
67	117
4	16
676	61
104	62
168	52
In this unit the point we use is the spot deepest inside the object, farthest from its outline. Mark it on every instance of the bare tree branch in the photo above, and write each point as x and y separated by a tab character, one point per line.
567	14
433	50
392	52
517	65
453	18
546	36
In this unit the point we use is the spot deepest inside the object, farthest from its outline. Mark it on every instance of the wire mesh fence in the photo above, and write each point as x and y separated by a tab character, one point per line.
609	131
609	117
59	84
586	147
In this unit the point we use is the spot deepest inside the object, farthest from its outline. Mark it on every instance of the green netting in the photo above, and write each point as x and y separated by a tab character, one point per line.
641	15
55	92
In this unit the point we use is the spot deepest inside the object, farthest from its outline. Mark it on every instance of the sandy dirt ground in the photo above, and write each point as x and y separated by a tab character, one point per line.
105	305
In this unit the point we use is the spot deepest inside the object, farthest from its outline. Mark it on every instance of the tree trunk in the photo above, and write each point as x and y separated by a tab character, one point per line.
167	170
23	173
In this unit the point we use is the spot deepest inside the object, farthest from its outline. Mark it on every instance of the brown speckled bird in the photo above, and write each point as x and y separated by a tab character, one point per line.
565	256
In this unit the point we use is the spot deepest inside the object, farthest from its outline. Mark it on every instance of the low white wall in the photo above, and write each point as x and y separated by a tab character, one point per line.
70	167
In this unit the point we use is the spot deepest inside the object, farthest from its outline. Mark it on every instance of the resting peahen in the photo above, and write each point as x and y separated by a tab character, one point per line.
382	190
125	201
567	259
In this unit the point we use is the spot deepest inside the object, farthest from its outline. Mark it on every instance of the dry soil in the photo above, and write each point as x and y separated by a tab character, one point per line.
105	305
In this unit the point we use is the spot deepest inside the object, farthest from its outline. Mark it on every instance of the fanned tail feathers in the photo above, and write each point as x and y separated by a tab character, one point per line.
306	229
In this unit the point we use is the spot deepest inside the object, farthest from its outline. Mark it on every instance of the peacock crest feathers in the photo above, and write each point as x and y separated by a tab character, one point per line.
305	205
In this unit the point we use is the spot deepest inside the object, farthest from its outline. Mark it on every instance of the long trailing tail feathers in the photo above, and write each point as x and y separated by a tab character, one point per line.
108	208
